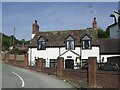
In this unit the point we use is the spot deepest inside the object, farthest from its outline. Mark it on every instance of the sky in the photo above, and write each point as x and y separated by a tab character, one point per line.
52	16
0	16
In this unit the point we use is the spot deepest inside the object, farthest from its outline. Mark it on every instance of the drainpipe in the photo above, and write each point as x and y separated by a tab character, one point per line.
59	51
30	56
81	56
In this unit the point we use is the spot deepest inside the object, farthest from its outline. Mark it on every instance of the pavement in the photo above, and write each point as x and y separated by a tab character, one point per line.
15	77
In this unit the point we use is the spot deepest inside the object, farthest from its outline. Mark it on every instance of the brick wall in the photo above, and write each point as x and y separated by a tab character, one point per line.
39	67
16	60
92	66
91	76
49	71
60	66
108	79
75	75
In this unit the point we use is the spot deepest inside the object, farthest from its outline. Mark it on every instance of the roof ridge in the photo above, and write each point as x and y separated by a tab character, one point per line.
64	30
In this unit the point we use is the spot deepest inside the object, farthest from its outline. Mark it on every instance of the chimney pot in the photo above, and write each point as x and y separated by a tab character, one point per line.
36	21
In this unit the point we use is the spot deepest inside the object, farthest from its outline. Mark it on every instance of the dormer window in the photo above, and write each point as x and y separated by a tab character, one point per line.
41	44
86	42
70	43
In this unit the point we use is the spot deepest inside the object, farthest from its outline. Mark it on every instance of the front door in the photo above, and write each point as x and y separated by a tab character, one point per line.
69	64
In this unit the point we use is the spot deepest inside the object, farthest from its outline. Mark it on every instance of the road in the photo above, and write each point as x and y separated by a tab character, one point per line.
15	77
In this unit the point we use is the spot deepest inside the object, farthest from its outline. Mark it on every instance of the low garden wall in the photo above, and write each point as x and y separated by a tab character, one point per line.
75	74
16	60
109	79
91	76
49	71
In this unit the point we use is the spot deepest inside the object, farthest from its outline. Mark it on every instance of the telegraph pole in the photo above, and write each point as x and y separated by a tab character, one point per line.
13	37
10	40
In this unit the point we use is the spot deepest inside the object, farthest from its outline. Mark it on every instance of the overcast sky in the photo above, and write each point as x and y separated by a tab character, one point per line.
54	16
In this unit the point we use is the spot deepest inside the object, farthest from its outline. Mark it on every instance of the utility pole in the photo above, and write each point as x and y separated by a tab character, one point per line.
10	40
13	37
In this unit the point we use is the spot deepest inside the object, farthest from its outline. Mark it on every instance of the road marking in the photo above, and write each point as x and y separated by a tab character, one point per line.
20	78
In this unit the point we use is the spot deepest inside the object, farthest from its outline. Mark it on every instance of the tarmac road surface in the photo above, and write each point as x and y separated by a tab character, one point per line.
15	77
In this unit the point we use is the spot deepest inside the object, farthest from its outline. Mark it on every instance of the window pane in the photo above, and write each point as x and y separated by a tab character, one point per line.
41	45
89	44
44	63
83	44
70	44
53	63
86	44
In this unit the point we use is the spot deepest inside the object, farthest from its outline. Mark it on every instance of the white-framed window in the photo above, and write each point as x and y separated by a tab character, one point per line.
41	45
70	43
86	42
53	63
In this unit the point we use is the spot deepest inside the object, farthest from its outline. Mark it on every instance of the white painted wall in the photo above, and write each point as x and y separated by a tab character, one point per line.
116	15
94	52
53	53
105	57
114	31
47	54
63	49
73	56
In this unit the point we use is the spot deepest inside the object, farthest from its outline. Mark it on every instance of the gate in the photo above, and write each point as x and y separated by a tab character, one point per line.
69	64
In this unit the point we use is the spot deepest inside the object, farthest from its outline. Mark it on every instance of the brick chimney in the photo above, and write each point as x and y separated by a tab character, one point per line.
94	24
35	28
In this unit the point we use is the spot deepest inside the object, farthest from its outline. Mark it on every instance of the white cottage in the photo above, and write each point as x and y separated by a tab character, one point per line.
75	46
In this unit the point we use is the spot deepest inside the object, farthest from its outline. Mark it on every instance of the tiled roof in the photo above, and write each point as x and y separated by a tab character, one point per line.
109	45
57	38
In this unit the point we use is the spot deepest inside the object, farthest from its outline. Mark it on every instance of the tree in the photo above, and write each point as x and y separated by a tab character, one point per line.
103	34
23	41
107	33
7	41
